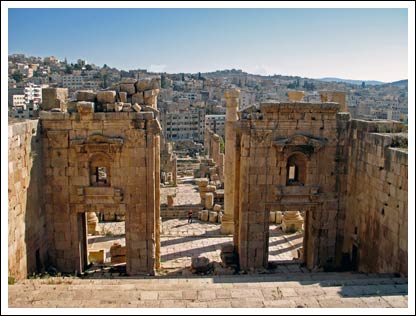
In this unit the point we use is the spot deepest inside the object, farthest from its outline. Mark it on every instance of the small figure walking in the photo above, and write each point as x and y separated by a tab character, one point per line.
189	217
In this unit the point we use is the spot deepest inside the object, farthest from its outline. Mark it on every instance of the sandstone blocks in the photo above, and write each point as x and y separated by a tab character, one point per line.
106	96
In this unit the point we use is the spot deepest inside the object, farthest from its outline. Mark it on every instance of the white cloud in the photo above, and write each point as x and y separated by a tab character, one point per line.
156	68
260	70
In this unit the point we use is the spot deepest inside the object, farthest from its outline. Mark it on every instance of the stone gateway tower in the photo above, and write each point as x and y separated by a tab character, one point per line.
296	158
286	162
102	162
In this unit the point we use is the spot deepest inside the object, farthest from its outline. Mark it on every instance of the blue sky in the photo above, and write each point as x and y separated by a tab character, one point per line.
347	43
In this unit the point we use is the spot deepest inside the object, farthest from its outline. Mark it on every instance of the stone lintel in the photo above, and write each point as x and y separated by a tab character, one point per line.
299	140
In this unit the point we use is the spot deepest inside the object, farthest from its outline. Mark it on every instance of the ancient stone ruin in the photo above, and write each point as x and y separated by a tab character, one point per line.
347	176
306	165
99	154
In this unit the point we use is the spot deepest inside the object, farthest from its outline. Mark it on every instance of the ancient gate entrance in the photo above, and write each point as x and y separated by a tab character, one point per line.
97	163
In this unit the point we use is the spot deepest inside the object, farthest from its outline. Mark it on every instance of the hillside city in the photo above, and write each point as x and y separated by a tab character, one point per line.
190	102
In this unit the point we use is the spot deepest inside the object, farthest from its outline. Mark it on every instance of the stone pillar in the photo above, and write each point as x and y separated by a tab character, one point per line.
207	141
279	217
231	99
92	221
151	201
174	171
215	145
157	202
209	200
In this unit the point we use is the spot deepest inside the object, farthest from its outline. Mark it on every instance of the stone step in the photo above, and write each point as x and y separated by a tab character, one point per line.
277	290
325	279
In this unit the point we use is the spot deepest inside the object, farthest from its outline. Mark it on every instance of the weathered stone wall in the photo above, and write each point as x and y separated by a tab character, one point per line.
27	238
212	145
168	164
75	146
54	98
377	187
335	96
267	140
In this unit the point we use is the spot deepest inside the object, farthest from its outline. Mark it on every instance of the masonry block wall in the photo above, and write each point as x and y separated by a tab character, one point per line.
212	145
269	140
76	146
377	189
168	163
27	240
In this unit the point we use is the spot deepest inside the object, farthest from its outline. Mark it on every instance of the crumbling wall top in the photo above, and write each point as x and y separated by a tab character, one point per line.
275	107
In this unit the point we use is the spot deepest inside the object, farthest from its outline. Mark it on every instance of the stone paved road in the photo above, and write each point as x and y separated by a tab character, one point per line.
181	241
186	193
308	290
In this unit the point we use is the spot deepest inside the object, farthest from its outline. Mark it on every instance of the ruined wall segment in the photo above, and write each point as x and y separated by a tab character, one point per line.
335	96
213	164
168	163
376	219
27	239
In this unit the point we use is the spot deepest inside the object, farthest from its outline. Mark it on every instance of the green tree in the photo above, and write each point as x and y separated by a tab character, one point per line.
37	73
17	76
163	83
292	85
88	67
104	82
68	69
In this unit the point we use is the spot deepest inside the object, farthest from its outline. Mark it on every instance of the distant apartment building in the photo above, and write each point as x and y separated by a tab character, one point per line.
33	93
72	82
12	92
246	99
193	96
51	60
393	115
184	124
24	102
91	85
90	74
27	110
18	100
216	123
